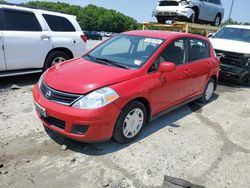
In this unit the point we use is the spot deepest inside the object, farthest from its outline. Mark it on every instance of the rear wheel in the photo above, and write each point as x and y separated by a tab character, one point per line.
217	21
130	122
209	91
54	58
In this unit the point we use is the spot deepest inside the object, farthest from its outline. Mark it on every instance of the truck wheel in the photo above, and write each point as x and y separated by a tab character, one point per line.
130	122
217	21
209	91
54	58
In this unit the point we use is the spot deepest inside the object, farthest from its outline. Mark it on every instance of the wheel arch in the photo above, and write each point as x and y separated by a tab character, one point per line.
146	103
215	78
60	49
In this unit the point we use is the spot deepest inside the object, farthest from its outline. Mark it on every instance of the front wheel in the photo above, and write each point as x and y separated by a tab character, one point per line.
209	91
130	122
192	19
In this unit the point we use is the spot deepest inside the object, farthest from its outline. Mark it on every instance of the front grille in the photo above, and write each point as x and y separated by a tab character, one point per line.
231	58
54	121
169	3
58	96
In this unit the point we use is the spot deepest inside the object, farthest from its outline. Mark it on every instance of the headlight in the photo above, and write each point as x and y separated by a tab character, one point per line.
40	80
96	99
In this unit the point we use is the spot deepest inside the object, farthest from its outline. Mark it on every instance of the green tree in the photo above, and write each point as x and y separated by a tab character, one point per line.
92	17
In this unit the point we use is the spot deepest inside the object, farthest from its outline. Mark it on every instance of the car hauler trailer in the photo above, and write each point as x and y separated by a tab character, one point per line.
186	27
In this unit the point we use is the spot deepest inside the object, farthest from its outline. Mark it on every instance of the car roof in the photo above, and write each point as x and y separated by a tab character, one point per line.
162	34
239	26
23	8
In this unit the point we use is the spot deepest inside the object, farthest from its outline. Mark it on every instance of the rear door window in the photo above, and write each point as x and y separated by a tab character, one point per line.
58	23
20	21
198	49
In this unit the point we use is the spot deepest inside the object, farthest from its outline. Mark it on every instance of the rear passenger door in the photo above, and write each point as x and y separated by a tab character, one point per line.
199	63
204	10
25	44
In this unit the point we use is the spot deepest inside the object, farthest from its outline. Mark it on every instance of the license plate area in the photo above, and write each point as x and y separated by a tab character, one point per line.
40	110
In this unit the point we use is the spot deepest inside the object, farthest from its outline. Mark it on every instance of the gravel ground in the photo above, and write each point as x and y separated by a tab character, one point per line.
207	145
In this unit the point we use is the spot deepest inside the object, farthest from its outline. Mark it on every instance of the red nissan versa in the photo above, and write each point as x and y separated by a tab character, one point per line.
119	86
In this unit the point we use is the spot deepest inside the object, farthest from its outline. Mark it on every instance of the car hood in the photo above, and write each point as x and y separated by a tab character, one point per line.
231	45
80	76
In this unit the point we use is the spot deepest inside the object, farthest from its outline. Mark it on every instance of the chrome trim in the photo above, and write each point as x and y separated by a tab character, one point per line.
78	96
3	74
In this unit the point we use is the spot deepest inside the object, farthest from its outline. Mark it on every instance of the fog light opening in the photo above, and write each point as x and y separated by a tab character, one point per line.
79	129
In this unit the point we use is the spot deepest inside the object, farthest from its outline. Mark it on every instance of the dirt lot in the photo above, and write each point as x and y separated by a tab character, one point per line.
207	145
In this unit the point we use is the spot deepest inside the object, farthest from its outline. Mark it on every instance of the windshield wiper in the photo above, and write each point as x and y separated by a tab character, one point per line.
112	63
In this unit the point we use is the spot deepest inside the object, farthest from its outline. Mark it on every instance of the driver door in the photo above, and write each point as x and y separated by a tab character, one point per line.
173	87
204	10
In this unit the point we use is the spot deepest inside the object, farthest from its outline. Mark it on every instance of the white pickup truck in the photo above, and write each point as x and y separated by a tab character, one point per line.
31	40
232	45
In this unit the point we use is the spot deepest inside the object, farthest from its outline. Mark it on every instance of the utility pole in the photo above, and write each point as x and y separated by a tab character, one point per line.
231	9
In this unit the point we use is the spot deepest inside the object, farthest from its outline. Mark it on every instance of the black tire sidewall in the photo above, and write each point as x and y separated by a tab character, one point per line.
118	130
52	56
214	23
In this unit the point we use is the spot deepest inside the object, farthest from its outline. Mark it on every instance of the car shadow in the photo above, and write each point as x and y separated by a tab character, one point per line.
19	81
96	149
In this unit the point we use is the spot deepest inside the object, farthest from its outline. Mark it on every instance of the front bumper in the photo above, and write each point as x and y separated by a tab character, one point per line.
98	123
233	73
173	12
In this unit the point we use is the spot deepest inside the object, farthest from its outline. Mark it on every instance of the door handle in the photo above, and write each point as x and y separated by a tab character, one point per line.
45	36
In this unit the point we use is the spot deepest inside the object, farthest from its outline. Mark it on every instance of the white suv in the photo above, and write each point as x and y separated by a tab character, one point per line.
32	40
190	10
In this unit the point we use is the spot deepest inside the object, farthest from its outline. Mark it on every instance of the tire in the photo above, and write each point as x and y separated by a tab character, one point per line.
192	19
248	81
217	21
124	132
161	20
209	91
53	56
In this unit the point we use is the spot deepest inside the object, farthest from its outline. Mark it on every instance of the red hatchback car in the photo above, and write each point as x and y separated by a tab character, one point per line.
119	86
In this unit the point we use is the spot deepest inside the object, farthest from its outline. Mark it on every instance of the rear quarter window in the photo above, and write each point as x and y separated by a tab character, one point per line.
58	23
20	21
198	49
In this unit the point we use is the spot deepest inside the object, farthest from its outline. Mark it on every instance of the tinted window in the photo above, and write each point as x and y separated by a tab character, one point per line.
57	23
21	21
198	49
174	53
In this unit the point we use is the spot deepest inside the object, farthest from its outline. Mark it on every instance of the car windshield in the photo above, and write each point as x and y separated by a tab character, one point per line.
230	33
125	51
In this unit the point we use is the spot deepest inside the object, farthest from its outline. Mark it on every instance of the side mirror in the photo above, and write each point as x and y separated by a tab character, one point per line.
167	67
210	35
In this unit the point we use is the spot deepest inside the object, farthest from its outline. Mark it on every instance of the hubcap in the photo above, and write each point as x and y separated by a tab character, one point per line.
217	21
209	91
58	60
133	123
